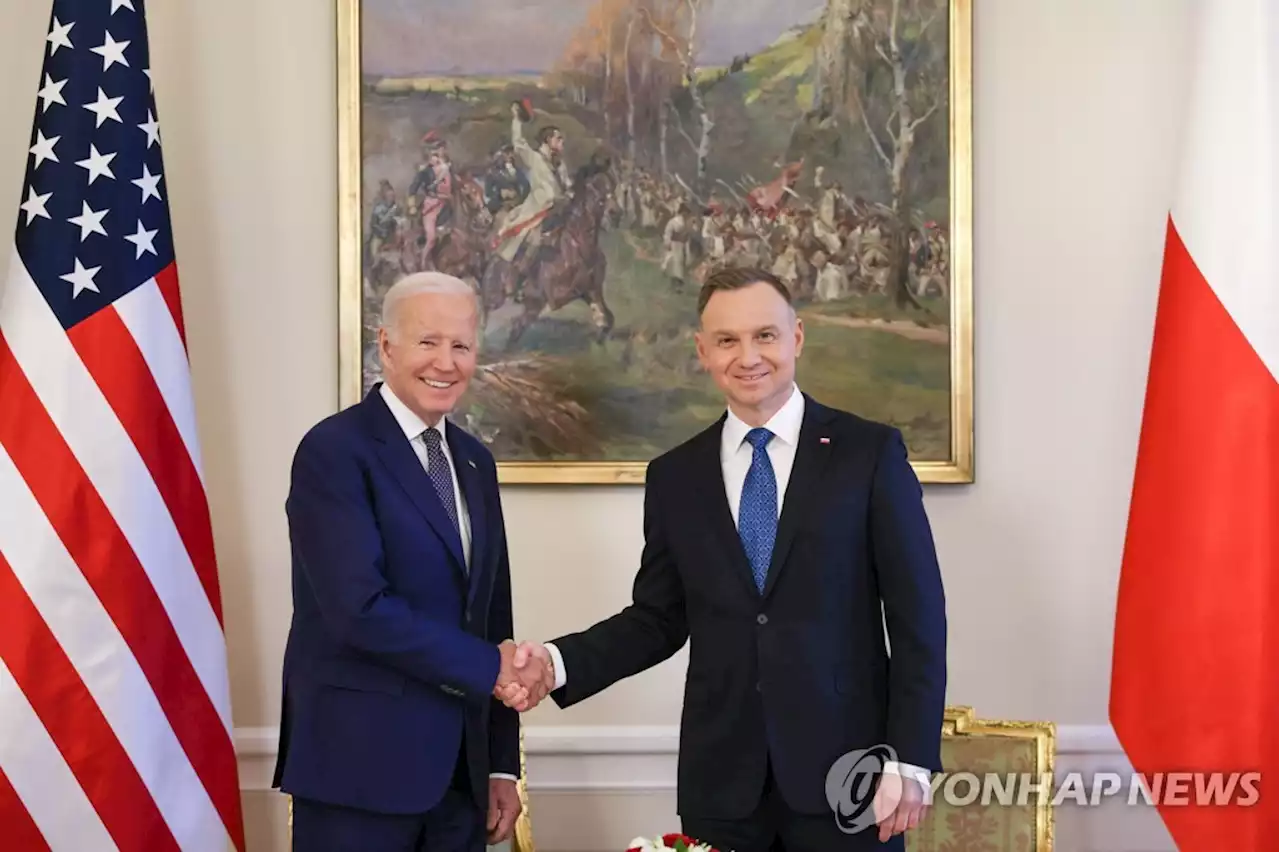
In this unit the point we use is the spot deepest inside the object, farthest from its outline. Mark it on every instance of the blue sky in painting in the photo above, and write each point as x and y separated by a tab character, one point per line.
403	37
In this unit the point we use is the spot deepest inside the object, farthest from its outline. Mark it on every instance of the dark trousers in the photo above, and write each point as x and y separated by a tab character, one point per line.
775	827
456	824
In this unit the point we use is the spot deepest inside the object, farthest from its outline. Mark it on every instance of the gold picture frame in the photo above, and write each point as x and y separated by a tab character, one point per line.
955	466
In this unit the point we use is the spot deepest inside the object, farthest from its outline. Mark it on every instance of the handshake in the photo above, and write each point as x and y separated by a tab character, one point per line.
527	674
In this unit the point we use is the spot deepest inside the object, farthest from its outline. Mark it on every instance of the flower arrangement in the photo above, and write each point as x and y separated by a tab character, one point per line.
669	843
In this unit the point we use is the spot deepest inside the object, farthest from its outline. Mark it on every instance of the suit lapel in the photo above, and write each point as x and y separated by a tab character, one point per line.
395	452
710	478
807	471
473	493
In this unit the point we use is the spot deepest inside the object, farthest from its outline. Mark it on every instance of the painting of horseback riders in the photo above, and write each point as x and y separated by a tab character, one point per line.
584	164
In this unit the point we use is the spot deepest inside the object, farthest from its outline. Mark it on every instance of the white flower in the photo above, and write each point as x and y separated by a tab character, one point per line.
646	844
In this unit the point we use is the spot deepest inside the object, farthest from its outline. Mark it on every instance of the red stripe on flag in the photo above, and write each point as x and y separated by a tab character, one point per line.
113	358
109	564
20	830
167	280
76	725
1194	677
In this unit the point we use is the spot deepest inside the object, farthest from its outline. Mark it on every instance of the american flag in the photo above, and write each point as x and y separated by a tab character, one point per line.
115	713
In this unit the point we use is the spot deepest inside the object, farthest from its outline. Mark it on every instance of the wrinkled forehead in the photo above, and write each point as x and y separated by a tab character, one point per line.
438	315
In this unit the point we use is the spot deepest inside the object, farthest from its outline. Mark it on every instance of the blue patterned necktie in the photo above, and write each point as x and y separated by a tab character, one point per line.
758	511
441	476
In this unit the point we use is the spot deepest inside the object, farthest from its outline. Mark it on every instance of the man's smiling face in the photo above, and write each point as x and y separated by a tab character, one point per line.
429	352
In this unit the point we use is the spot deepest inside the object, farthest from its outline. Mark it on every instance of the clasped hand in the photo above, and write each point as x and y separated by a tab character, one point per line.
525	676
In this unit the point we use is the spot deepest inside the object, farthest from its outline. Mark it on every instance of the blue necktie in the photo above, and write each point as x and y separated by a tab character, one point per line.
441	476
758	511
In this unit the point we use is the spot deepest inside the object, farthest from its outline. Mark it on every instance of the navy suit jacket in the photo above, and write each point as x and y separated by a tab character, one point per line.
799	674
392	652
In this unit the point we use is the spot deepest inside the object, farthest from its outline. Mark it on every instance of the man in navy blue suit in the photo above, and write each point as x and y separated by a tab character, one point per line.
782	542
395	733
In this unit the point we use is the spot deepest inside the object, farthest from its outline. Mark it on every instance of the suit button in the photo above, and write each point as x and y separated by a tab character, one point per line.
757	686
762	619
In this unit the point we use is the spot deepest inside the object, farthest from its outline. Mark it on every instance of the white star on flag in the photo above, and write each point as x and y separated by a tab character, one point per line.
148	183
97	164
81	279
43	149
51	93
105	107
89	221
117	5
60	36
34	205
111	51
143	239
152	129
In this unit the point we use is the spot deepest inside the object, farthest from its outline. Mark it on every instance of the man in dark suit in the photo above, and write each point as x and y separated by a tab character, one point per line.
780	599
392	734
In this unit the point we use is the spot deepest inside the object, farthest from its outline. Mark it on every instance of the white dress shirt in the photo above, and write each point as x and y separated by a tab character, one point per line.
413	427
735	462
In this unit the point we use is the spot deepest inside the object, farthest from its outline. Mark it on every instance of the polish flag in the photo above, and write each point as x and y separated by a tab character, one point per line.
1194	679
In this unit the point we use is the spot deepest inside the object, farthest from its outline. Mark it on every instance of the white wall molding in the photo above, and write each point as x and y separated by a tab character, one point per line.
642	757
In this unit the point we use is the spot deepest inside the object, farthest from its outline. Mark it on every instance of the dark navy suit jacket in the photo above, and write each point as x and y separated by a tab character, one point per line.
797	675
392	652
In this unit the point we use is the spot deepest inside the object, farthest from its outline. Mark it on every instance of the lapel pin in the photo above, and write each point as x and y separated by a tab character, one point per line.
470	462
824	440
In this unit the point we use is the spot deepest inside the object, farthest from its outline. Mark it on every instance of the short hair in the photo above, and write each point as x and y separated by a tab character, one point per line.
547	132
737	277
417	284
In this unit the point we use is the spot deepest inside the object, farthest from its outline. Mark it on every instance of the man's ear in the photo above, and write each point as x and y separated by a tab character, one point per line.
799	336
384	344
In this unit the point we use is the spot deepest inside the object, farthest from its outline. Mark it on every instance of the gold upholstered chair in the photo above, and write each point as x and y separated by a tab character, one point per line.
981	746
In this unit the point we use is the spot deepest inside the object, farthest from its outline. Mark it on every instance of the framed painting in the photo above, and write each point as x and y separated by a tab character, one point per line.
585	163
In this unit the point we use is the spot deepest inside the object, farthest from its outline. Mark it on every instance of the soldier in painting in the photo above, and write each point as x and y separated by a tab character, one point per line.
675	242
434	185
549	186
383	220
505	186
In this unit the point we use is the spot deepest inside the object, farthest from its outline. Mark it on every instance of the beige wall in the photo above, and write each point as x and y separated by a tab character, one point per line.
1076	116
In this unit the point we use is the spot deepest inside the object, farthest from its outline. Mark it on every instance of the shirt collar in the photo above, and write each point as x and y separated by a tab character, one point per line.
411	424
785	424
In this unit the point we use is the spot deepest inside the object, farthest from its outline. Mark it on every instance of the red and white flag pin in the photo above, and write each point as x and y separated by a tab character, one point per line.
824	440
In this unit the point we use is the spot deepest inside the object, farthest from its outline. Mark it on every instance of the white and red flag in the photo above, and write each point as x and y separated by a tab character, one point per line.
115	717
1194	679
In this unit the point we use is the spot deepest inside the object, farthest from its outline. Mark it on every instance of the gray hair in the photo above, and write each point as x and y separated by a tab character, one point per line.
417	284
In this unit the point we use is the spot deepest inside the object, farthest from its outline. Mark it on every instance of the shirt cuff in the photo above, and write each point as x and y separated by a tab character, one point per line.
559	664
919	773
503	775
